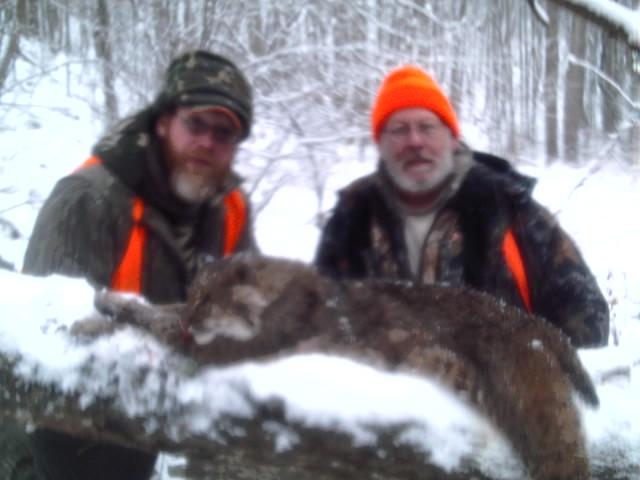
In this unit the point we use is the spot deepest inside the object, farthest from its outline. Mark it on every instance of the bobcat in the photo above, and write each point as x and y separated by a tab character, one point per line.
516	368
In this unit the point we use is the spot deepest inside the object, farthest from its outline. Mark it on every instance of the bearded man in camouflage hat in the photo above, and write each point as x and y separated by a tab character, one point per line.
156	199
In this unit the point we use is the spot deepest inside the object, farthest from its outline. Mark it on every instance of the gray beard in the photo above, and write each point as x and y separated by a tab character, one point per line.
444	171
192	189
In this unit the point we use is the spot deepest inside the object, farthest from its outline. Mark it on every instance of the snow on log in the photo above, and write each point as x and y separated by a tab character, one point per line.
297	416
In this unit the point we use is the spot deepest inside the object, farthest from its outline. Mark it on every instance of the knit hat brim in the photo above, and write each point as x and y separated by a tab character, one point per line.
411	87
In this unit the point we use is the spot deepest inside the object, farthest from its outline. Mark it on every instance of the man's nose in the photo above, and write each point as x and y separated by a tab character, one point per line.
415	137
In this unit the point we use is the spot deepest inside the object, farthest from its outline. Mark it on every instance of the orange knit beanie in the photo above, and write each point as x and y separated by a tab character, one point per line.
409	87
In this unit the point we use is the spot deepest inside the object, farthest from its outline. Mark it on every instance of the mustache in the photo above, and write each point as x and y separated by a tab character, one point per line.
417	157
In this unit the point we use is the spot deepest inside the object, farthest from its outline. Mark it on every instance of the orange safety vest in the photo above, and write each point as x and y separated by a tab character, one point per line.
127	276
514	261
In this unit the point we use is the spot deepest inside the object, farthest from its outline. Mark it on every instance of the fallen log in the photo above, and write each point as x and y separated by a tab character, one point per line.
263	440
127	388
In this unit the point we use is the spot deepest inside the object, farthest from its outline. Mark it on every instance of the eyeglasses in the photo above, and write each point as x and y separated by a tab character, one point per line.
426	131
220	133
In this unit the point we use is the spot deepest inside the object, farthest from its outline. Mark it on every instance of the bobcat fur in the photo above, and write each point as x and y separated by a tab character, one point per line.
516	368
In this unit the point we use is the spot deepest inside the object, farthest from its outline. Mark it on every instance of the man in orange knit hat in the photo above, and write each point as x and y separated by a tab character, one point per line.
437	212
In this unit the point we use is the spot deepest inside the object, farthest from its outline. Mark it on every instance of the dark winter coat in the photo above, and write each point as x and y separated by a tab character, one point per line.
364	238
83	229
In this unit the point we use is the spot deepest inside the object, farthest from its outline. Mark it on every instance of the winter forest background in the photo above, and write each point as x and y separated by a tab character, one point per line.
547	84
566	91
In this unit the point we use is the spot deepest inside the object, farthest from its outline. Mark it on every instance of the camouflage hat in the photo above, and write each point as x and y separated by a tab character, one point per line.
201	78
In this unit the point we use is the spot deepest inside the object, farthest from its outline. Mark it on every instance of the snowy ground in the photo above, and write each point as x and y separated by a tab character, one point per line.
41	144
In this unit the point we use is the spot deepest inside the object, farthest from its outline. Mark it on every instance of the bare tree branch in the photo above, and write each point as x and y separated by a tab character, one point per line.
539	12
610	15
635	105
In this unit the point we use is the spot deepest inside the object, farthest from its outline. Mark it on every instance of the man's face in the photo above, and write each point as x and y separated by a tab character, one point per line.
199	147
417	150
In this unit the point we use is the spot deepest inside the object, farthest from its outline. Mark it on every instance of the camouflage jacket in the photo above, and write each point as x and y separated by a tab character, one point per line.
364	238
84	225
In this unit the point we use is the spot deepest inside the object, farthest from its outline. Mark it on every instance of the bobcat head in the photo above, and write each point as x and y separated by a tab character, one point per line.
230	296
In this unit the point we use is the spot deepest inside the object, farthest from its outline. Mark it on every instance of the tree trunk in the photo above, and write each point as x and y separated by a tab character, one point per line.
551	86
9	52
105	55
574	89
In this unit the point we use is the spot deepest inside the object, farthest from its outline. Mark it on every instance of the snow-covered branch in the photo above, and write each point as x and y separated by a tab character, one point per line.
612	16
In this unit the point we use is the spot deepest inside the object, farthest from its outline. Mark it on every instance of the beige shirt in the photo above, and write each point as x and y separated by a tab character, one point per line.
416	229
